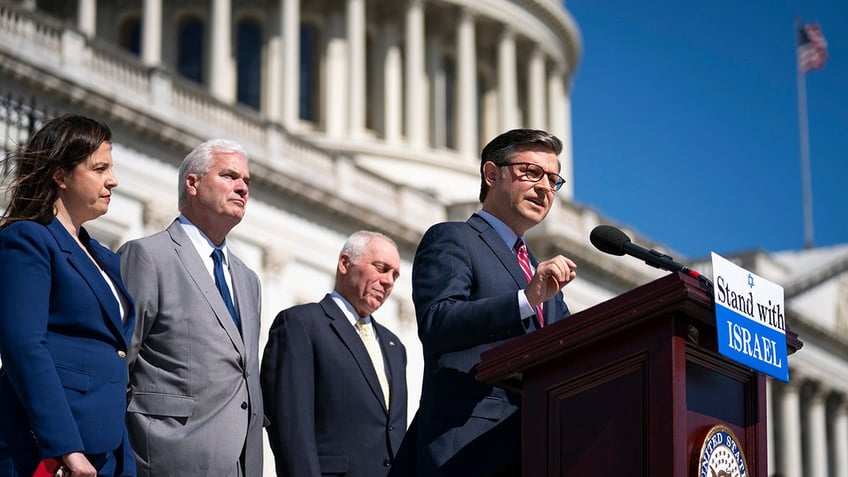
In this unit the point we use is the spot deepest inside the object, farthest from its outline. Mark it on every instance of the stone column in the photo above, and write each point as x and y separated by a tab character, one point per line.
840	439
817	433
290	28
376	82
438	91
221	65
356	60
468	133
416	100
790	412
507	80
559	124
536	89
87	17
336	79
392	85
151	32
272	78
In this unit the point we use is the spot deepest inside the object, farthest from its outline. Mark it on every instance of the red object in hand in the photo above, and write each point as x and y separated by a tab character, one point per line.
47	467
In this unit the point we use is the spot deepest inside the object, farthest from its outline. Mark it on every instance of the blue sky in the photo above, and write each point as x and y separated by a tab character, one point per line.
685	122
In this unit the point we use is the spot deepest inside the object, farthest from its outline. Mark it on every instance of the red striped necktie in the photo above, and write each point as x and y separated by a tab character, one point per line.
524	262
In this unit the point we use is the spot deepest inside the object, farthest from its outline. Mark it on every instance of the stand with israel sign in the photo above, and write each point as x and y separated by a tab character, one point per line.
750	319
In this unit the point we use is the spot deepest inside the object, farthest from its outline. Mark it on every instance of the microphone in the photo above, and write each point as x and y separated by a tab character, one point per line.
613	241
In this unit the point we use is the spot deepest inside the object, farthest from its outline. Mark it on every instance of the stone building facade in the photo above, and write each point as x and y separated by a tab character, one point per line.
369	114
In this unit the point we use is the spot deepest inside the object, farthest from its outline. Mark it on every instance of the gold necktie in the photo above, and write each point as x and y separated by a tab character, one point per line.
373	349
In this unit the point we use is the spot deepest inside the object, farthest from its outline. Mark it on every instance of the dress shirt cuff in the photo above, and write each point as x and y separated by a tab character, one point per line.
524	307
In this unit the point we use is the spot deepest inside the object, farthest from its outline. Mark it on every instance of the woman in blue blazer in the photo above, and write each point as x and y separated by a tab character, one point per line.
66	319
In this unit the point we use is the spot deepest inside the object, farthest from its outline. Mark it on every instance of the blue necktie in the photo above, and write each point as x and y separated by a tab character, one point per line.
221	283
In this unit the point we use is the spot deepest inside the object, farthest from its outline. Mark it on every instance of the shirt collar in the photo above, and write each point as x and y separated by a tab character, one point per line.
347	309
504	232
200	241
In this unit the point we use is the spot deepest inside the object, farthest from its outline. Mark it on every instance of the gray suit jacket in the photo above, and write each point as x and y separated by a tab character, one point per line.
194	400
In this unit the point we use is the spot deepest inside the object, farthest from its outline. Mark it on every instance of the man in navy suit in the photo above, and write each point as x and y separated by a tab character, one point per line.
471	295
333	379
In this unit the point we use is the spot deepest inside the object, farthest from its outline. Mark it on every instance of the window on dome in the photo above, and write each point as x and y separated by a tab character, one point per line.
190	48
309	85
450	102
129	35
249	62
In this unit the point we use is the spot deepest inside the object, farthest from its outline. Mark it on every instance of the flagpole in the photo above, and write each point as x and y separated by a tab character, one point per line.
803	132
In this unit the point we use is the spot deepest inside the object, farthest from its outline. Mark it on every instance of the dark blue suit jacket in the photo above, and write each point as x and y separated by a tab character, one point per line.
326	409
465	283
63	382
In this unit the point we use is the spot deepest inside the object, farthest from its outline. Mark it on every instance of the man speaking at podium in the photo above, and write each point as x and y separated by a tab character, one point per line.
475	286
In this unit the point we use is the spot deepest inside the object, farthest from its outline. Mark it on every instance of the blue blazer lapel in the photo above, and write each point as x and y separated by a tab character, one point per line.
112	266
352	341
91	274
503	253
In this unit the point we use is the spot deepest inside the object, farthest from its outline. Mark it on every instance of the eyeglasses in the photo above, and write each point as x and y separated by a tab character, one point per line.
534	173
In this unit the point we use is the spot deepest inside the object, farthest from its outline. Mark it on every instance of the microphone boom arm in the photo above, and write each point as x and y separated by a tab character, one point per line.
610	240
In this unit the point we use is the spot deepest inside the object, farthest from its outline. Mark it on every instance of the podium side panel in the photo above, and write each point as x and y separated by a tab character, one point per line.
589	419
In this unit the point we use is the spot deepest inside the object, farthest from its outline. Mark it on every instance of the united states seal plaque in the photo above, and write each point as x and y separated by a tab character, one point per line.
721	455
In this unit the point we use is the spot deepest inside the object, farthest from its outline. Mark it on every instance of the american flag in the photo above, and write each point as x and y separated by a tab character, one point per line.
812	48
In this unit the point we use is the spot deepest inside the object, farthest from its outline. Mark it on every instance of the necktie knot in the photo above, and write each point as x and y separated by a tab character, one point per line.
362	327
519	247
218	257
523	259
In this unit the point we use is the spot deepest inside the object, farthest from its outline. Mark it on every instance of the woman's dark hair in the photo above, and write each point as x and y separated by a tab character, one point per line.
61	143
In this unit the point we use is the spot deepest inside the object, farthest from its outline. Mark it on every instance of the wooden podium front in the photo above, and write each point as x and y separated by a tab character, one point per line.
631	387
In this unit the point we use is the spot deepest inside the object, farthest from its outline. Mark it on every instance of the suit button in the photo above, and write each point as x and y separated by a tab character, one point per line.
244	405
391	428
387	463
122	354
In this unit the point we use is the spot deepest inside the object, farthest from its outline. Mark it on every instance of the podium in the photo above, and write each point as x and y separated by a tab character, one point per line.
631	387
